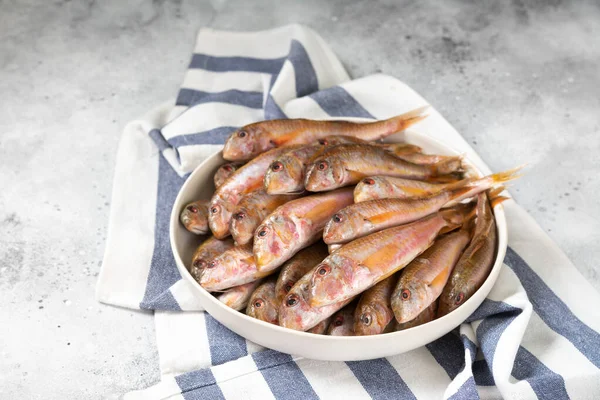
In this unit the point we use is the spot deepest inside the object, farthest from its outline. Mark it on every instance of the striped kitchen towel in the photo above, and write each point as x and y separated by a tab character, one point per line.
535	336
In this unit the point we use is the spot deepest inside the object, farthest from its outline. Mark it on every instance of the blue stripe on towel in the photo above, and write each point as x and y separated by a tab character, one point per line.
159	139
272	110
282	374
380	379
553	311
163	270
497	316
305	75
191	97
546	384
212	136
337	102
482	373
449	352
224	344
228	64
199	384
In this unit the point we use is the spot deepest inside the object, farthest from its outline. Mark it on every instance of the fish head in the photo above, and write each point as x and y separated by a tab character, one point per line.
199	262
219	217
242	225
371	318
337	278
273	241
221	269
372	188
410	299
457	294
263	305
246	142
295	312
195	218
325	174
285	175
224	172
342	324
344	226
283	288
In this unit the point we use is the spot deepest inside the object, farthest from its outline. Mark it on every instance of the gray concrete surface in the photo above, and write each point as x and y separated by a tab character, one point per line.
519	79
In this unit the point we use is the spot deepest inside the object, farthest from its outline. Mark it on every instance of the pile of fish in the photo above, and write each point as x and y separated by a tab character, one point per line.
318	226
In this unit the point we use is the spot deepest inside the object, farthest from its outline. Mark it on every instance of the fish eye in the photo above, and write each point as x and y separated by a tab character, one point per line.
263	231
323	270
459	298
323	142
339	320
242	134
291	300
366	319
199	263
192	209
258	303
288	286
337	218
212	264
239	216
276	166
405	294
323	165
227	167
369	181
214	209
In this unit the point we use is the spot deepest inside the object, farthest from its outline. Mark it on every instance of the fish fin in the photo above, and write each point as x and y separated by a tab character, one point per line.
448	166
399	149
480	184
440	280
407	119
456	216
495	192
380	218
494	196
355	175
505	176
453	177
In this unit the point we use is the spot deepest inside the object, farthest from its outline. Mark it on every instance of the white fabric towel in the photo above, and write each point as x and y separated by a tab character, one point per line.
535	336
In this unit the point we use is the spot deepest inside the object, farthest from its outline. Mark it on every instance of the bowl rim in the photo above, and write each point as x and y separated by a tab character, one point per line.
486	287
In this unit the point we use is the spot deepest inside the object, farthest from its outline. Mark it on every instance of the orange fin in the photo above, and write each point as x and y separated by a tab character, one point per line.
494	196
380	218
449	165
410	118
506	176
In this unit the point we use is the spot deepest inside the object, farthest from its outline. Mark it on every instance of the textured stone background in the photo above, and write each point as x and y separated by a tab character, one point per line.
519	79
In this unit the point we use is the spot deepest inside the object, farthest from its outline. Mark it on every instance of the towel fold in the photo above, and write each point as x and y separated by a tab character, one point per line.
535	336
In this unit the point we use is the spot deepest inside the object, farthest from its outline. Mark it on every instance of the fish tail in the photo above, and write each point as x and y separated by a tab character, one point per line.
479	185
449	166
495	197
405	120
455	217
505	176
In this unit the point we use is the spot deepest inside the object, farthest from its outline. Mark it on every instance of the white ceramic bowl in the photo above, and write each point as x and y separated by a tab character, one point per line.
321	347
